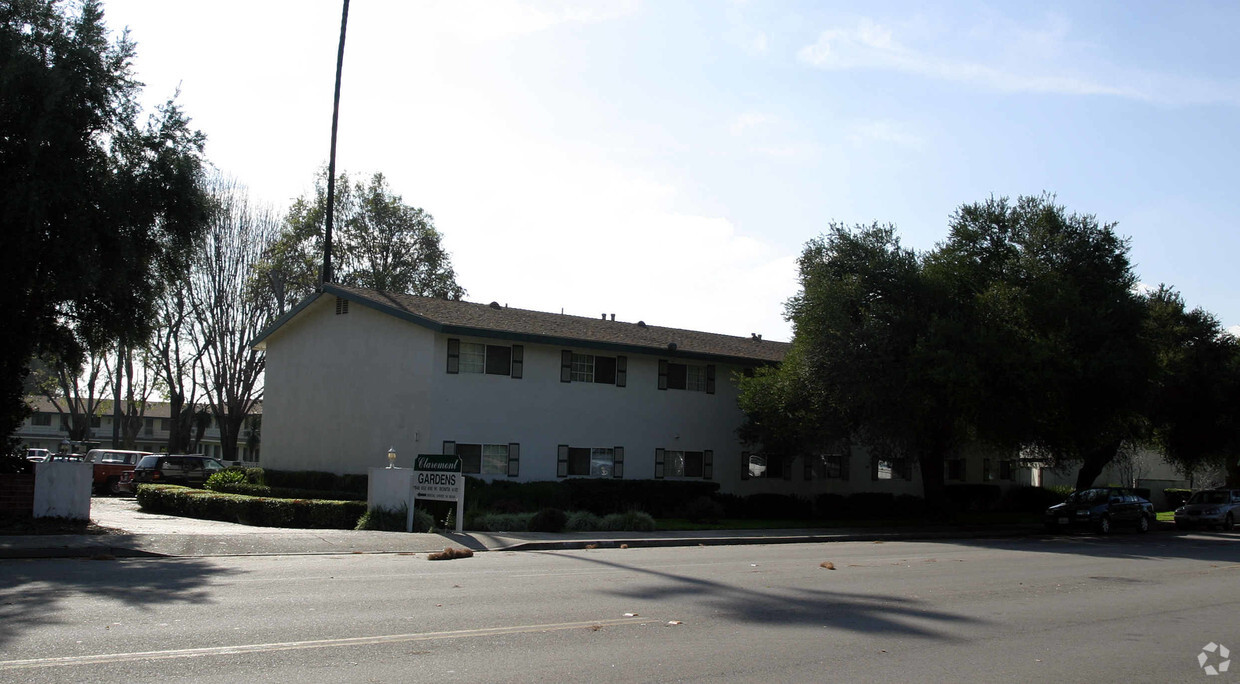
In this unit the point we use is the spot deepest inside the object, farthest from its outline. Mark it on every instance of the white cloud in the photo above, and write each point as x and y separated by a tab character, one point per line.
748	120
884	131
870	46
1235	331
479	20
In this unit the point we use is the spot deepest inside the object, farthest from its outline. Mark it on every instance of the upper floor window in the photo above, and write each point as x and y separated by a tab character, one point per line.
491	359
831	466
891	469
483	459
953	469
684	376
606	370
44	419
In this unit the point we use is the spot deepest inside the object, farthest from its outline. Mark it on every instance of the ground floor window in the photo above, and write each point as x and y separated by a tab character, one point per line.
483	459
891	469
590	461
684	464
954	469
1006	468
832	466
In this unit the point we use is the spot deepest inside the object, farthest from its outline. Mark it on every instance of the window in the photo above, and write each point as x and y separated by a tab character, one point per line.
590	461
833	466
64	423
604	370
987	475
342	306
148	427
696	464
483	459
954	469
44	419
96	421
1005	469
769	466
891	469
491	359
682	376
165	424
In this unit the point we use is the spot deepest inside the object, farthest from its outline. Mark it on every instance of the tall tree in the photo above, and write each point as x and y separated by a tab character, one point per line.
383	244
228	310
91	197
1194	409
1074	318
76	387
176	358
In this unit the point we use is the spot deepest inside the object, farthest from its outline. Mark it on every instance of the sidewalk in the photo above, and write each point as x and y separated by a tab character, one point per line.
146	534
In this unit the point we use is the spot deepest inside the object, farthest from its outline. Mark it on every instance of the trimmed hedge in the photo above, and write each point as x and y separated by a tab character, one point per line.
661	498
247	489
249	510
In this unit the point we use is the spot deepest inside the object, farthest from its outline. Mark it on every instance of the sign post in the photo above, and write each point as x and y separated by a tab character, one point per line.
438	478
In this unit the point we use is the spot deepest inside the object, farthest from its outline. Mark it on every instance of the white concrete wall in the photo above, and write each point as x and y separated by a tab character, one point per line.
342	389
388	488
62	490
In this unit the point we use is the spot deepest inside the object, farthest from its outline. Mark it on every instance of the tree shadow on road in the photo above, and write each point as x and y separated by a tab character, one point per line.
865	613
36	593
1203	545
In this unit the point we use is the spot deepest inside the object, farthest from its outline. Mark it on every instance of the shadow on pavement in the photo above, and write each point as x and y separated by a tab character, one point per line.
866	613
34	592
1203	546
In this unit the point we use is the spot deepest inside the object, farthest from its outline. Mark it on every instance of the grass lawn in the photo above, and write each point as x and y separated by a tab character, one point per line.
1166	516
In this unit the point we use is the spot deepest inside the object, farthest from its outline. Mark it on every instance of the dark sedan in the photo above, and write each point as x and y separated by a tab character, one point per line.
1101	509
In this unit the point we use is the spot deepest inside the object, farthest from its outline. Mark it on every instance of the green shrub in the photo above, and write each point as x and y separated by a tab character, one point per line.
395	520
1029	499
1176	497
260	511
663	498
829	505
871	504
583	521
973	497
254	476
503	522
628	521
548	520
226	476
703	509
776	506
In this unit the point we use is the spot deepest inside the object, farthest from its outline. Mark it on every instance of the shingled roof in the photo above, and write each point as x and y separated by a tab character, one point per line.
501	322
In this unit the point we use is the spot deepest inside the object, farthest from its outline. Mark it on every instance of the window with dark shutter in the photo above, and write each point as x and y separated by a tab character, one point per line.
514	459
744	465
622	371
618	462
605	370
518	361
566	366
662	374
708	465
677	374
471	458
449	448
658	463
710	379
454	356
499	360
561	466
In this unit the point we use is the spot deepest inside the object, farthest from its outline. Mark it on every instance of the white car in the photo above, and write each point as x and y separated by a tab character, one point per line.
1210	508
37	455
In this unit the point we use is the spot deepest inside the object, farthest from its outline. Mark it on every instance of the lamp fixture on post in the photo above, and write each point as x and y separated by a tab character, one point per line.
391	457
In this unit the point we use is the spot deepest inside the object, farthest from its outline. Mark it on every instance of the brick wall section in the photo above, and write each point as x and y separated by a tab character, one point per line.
17	493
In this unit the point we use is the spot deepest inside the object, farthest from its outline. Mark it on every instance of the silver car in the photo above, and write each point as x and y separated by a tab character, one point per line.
1210	508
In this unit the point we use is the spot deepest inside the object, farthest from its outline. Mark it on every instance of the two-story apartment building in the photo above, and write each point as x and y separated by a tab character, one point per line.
528	395
47	428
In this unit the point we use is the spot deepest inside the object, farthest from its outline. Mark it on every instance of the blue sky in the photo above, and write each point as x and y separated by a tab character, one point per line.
666	161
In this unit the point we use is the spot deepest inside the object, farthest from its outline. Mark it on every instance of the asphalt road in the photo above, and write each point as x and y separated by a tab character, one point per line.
1078	609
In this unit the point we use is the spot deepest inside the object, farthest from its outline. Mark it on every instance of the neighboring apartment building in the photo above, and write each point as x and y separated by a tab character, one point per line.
527	395
47	428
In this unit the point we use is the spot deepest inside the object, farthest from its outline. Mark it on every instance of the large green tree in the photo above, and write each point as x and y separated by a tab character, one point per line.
95	199
381	243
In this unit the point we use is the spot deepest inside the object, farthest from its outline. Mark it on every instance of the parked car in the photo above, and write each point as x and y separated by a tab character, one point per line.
37	455
1210	508
191	470
1101	509
109	464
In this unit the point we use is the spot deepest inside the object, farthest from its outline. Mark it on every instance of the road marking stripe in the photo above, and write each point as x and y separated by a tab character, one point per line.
105	658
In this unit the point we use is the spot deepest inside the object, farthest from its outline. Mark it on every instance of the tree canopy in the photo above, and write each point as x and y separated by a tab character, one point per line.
1022	331
96	202
381	243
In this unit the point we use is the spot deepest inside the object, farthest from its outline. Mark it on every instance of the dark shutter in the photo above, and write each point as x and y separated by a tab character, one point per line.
785	466
873	467
514	460
809	467
518	360
845	459
710	378
617	454
708	464
622	371
659	456
454	356
744	465
566	366
561	466
449	448
907	465
662	374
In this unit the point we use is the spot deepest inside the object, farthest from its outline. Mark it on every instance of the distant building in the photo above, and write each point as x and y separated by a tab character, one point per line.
47	428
